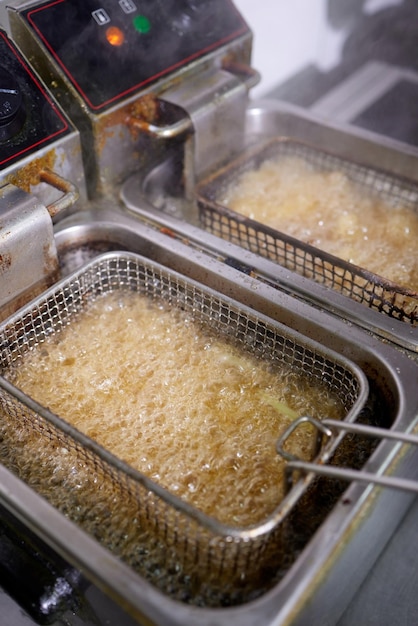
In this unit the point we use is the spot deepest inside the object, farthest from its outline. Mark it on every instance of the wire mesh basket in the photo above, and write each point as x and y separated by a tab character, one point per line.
358	283
187	553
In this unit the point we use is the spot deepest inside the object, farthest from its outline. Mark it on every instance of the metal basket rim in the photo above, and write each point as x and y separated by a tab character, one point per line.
211	524
207	198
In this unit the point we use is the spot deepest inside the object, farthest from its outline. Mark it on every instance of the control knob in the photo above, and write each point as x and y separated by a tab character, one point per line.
12	114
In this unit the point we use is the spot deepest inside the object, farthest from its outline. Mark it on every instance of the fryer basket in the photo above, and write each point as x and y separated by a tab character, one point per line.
188	554
357	283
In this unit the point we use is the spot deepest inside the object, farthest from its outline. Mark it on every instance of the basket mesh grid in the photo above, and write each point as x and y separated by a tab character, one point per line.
150	528
352	281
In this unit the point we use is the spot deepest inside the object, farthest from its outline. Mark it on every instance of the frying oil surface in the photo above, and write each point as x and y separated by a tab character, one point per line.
186	408
327	210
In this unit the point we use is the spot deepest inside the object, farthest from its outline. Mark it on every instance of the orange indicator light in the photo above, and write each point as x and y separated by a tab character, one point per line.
115	36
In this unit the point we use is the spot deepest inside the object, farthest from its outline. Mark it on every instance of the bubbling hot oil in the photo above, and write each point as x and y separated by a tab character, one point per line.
188	409
330	212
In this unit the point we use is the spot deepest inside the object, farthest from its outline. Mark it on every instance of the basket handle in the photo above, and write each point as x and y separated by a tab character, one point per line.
329	428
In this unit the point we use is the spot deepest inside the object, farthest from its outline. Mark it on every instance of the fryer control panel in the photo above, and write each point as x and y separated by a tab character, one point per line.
111	48
29	118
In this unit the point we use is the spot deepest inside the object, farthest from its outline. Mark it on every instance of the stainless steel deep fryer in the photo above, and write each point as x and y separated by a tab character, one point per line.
357	283
183	551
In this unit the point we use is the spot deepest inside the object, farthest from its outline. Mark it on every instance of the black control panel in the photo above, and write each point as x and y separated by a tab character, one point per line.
111	48
29	119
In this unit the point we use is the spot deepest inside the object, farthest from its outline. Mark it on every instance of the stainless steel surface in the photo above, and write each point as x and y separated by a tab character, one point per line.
218	547
328	576
28	252
28	258
63	159
134	132
305	579
271	119
290	598
216	103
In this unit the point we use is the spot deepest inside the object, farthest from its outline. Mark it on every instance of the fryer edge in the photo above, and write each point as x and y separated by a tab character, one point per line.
112	225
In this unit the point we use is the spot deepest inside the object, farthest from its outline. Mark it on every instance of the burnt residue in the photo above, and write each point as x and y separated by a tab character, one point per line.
145	109
144	115
30	175
5	262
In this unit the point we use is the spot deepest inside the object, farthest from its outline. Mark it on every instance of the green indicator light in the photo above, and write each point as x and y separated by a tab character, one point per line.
141	24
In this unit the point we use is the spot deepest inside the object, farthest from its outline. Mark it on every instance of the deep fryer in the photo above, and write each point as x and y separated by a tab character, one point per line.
139	143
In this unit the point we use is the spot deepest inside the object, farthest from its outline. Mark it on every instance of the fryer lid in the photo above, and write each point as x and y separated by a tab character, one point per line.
353	281
178	532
